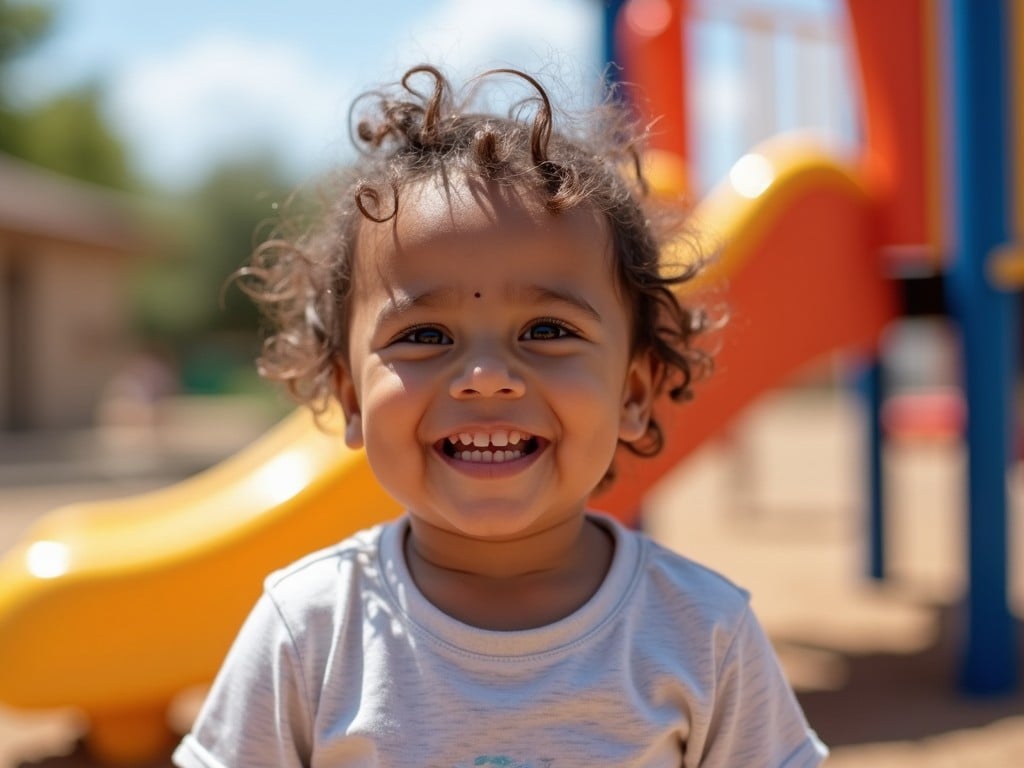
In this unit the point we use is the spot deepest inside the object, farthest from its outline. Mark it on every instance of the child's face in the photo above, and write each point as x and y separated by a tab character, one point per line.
480	318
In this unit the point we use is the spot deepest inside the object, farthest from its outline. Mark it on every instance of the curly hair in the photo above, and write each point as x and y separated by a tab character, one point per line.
303	282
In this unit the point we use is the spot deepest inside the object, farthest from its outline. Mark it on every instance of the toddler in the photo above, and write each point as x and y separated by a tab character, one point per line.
484	298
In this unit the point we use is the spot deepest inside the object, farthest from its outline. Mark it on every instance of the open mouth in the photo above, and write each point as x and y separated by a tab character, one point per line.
489	447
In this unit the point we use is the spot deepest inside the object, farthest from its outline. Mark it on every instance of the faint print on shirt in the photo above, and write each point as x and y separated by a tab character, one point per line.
501	761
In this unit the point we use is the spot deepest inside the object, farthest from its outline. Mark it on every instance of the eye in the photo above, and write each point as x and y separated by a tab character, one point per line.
425	334
546	330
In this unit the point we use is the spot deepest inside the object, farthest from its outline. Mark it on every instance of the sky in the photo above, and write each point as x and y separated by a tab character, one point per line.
193	82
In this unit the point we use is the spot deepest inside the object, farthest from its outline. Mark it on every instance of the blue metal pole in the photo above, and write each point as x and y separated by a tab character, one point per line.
989	320
612	8
869	384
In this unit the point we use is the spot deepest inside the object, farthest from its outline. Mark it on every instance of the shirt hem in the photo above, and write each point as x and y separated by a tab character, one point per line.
810	754
191	754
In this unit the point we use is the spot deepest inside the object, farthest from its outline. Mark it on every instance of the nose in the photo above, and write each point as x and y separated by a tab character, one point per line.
486	375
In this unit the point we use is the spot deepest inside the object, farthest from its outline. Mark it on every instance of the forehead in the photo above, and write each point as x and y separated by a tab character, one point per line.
480	221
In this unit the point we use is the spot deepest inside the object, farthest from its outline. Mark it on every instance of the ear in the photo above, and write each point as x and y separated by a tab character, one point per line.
637	397
345	392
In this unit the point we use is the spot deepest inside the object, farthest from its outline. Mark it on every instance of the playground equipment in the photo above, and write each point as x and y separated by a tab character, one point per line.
984	272
941	133
801	283
114	607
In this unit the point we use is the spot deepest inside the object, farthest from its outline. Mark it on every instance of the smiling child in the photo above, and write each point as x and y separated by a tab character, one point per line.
484	298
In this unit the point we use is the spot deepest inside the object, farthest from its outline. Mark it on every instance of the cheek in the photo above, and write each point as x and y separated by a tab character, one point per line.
389	402
588	400
390	419
594	379
383	402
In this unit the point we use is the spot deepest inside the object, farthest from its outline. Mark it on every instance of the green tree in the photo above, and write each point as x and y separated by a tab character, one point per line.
68	134
184	299
22	27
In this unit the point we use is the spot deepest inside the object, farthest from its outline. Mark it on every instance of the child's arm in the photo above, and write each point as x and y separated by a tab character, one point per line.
257	712
757	720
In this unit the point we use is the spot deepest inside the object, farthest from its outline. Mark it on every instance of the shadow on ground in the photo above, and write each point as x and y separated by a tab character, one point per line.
909	697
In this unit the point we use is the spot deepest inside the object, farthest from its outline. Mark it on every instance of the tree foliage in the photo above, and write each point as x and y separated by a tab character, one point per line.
67	134
70	135
183	295
22	27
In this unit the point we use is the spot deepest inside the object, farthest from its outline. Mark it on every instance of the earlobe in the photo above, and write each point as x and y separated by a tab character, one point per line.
354	431
345	391
632	424
638	399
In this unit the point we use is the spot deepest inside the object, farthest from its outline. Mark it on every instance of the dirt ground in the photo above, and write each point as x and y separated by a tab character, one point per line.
776	506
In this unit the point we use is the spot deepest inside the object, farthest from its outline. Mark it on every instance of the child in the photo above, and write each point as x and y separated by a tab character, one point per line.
484	300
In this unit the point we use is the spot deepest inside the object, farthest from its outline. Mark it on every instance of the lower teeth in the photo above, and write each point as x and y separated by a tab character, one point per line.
489	457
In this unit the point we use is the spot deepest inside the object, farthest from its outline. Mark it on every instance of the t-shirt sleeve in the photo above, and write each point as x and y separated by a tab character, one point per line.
257	712
757	721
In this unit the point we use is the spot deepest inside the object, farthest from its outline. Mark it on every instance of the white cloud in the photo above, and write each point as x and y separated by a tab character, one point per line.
221	97
557	39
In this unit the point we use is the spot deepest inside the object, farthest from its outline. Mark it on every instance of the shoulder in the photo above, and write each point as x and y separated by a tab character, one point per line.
675	572
670	574
672	593
320	578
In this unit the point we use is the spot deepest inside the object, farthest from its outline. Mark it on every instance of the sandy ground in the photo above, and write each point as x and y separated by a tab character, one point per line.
776	506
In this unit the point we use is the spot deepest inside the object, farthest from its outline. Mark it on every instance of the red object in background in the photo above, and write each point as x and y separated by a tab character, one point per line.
928	415
801	278
890	40
651	46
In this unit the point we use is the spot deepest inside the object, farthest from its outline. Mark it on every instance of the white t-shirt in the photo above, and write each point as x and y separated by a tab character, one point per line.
344	663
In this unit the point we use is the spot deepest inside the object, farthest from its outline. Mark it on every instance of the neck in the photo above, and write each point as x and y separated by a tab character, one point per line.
528	555
508	585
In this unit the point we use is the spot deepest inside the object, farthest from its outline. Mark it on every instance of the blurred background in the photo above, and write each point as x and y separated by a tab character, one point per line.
145	145
144	148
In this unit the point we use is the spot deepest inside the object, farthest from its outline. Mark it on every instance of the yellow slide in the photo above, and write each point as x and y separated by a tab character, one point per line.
115	607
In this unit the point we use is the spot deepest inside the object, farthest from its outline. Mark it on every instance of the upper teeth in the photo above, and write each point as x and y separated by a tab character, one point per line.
499	438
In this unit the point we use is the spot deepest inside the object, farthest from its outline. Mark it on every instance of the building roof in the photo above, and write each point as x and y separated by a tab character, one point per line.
38	204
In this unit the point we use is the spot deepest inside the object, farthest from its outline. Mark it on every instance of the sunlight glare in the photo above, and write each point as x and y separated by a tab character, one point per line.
751	175
283	477
48	559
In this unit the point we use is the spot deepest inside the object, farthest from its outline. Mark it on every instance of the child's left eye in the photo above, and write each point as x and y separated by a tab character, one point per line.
544	330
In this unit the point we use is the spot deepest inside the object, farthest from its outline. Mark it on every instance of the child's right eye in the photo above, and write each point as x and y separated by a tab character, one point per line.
425	335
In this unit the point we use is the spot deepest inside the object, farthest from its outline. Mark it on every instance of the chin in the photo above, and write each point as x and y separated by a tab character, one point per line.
495	521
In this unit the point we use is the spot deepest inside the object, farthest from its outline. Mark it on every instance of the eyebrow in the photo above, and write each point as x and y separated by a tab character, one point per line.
543	294
398	304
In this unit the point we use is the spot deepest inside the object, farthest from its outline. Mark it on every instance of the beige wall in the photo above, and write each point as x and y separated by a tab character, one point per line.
76	322
81	325
5	352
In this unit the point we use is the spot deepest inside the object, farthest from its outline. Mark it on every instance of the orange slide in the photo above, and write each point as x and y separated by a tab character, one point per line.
799	275
115	607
